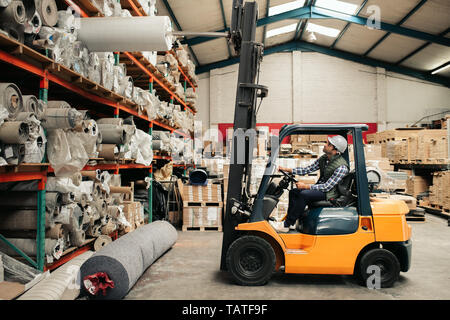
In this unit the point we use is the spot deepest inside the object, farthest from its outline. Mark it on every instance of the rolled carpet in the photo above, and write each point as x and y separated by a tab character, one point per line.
113	270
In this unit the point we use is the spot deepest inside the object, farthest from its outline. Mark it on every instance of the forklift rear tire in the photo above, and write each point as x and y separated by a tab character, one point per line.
388	265
251	261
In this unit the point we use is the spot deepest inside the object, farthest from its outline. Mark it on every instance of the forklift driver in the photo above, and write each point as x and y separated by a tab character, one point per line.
333	167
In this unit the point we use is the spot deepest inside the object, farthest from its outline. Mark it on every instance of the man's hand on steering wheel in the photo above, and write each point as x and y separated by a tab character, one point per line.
288	173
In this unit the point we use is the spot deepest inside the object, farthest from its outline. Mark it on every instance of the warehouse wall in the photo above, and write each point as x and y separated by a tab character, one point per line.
311	87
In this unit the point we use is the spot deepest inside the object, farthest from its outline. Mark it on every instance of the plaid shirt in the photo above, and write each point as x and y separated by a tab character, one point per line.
337	176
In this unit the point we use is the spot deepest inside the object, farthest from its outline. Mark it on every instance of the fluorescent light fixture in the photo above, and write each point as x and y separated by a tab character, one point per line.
340	6
444	67
285	29
286	7
329	32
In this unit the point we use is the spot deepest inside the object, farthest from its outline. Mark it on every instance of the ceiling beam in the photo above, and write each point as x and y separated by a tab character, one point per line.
302	24
174	19
225	26
414	10
409	55
348	25
312	12
306	46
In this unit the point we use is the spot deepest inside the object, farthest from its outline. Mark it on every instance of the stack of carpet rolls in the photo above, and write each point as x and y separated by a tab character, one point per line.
22	138
90	204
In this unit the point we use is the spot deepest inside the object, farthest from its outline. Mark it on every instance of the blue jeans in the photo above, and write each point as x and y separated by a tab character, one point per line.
298	200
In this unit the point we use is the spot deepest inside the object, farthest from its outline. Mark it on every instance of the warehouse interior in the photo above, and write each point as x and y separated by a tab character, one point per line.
190	150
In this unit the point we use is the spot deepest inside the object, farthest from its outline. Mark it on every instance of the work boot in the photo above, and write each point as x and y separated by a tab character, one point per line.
279	226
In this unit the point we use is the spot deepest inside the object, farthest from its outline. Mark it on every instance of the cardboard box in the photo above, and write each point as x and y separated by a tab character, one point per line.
416	185
202	216
211	192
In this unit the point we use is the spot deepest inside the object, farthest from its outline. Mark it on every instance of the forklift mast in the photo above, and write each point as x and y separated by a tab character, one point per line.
242	37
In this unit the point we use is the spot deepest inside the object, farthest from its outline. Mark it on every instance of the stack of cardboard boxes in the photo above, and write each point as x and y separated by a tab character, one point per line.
412	145
202	206
439	194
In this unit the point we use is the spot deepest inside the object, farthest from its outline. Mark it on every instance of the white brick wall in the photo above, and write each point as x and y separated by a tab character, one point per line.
311	87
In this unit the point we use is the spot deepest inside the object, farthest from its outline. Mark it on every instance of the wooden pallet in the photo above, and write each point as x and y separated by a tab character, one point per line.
415	218
202	228
187	204
433	209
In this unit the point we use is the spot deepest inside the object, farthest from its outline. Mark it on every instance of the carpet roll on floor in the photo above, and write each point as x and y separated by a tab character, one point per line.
125	260
62	284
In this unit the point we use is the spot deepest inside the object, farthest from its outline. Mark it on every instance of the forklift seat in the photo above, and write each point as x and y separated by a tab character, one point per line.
345	199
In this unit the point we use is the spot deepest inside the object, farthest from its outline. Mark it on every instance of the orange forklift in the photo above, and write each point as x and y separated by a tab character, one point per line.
353	234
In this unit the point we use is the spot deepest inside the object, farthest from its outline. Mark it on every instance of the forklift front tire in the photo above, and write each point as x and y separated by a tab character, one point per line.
251	261
378	263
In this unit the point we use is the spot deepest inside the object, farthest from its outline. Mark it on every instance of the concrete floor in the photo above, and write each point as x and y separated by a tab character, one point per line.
190	271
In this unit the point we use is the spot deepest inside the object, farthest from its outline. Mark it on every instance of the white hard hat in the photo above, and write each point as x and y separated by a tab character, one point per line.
339	142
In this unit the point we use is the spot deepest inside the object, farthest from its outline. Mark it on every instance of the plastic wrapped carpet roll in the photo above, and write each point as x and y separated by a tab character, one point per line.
109	152
112	134
11	99
112	33
61	284
35	150
48	11
55	118
58	104
14	13
114	121
157	145
125	260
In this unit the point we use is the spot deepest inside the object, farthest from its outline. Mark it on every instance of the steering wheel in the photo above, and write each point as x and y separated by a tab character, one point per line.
290	176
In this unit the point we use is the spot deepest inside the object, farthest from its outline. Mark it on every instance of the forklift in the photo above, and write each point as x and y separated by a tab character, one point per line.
357	235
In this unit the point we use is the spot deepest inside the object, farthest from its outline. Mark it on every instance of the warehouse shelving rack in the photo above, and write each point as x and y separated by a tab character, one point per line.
21	61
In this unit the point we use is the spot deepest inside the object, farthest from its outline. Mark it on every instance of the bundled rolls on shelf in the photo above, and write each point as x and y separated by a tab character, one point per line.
48	11
112	134
11	99
114	121
61	118
113	33
58	104
31	104
126	259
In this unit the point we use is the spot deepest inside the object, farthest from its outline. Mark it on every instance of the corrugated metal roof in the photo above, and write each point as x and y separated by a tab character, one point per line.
428	17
